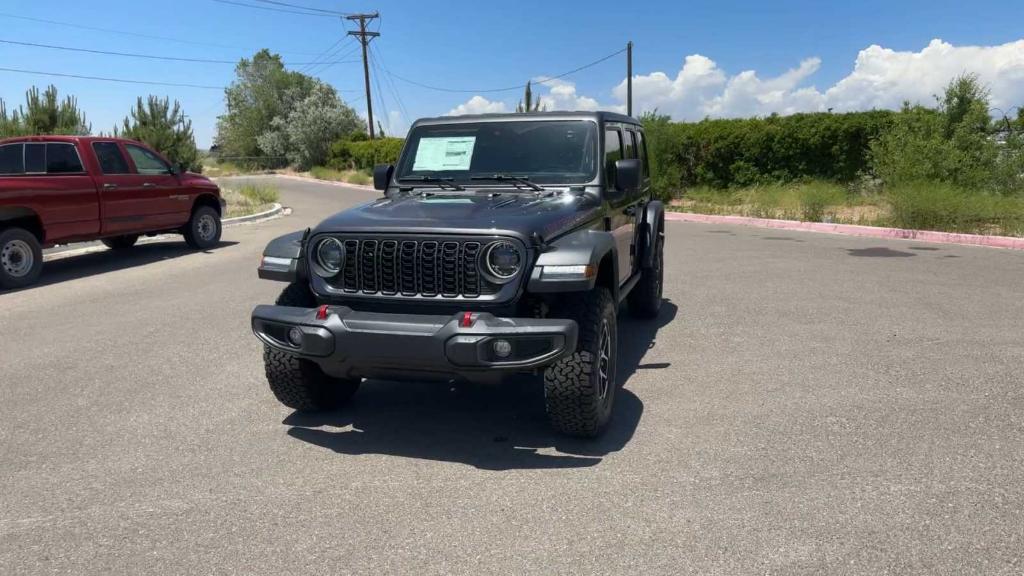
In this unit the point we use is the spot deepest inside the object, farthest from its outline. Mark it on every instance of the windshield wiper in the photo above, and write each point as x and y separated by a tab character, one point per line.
443	183
524	180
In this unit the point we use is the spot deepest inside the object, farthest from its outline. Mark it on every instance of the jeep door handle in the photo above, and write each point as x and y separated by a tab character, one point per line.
109	186
149	185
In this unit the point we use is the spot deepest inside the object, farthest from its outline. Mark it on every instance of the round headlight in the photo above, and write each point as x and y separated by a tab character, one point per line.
502	261
330	255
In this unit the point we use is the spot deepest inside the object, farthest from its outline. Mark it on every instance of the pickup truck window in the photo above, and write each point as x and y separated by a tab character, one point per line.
12	159
62	158
110	157
35	158
146	162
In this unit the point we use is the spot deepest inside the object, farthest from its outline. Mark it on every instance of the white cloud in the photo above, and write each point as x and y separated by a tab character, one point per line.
881	78
562	96
477	105
884	78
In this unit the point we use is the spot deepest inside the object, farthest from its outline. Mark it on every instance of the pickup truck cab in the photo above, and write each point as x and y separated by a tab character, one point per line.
64	189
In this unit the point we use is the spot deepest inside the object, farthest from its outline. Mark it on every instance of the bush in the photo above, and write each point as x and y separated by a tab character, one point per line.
760	151
364	154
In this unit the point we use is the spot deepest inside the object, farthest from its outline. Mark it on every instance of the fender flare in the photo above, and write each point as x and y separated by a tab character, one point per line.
581	248
282	258
652	226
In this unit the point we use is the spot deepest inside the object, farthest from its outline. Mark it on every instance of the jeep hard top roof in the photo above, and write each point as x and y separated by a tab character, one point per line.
599	116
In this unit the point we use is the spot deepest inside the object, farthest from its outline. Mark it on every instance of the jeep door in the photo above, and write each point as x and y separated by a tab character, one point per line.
622	208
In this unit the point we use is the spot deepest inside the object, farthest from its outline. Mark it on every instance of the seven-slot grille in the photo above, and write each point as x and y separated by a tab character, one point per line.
395	267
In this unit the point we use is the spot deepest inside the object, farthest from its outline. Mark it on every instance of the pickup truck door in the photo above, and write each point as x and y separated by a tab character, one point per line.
130	202
172	201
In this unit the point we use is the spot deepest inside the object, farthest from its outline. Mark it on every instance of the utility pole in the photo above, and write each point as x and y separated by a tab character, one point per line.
629	78
364	39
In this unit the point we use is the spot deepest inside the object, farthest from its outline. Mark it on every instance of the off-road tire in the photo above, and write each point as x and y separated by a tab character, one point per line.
21	258
573	385
646	297
203	229
298	383
120	242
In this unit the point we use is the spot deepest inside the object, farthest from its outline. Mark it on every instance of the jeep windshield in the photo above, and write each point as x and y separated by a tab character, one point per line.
543	152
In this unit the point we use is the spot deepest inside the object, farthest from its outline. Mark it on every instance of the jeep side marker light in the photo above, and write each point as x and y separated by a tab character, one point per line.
577	272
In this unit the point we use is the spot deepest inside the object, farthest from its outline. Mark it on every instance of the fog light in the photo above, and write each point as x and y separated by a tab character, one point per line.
502	348
295	336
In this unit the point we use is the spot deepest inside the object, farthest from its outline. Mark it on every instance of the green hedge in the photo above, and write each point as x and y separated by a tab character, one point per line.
744	152
346	154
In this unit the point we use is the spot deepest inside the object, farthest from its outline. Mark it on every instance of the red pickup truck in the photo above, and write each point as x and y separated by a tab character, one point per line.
63	189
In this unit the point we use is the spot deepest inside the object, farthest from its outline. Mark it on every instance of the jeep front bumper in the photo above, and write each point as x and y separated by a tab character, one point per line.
473	346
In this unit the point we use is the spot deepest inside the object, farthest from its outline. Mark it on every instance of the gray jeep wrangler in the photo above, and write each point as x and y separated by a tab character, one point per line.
502	244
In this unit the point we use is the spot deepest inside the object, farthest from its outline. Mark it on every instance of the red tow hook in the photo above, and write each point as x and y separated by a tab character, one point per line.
467	320
321	312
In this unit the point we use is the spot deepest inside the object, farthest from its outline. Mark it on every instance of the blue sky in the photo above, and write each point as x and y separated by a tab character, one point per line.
798	54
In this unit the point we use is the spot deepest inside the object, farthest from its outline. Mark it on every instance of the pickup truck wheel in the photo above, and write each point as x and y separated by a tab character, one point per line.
203	229
120	242
21	258
296	382
645	299
579	389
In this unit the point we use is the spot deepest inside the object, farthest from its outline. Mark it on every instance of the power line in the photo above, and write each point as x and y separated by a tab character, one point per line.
323	66
121	80
395	94
509	88
272	9
135	34
321	55
311	8
146	56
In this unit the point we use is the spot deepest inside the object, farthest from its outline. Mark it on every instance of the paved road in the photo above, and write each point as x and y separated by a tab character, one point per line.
806	403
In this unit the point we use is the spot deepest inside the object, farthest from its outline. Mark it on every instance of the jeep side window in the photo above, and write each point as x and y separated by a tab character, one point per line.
612	152
12	159
630	144
641	147
110	157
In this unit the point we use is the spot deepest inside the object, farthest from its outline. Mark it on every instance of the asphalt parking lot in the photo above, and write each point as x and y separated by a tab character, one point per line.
806	403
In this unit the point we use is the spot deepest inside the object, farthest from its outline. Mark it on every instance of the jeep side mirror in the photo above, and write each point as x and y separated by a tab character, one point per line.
382	175
627	175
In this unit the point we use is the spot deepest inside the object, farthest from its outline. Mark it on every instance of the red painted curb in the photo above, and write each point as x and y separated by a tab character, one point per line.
1008	242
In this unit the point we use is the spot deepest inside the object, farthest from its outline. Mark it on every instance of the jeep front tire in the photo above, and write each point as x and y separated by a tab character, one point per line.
299	383
579	389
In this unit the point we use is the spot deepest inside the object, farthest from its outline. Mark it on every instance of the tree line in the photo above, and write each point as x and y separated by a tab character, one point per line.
153	120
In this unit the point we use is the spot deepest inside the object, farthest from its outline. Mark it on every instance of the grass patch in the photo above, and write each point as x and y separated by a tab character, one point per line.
926	206
361	177
249	199
944	207
213	169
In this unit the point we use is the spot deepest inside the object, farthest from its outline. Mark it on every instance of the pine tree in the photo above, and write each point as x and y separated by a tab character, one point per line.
44	113
164	128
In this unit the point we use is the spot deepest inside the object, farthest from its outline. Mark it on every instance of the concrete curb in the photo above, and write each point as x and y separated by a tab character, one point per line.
265	215
328	182
1006	242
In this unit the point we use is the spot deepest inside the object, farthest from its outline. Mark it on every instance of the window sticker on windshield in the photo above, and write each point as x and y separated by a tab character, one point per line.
444	153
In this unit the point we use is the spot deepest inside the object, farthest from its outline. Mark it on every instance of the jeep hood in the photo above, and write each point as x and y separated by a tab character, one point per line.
518	213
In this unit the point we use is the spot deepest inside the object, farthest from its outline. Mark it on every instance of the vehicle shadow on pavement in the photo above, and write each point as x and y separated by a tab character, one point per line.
500	427
104	261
